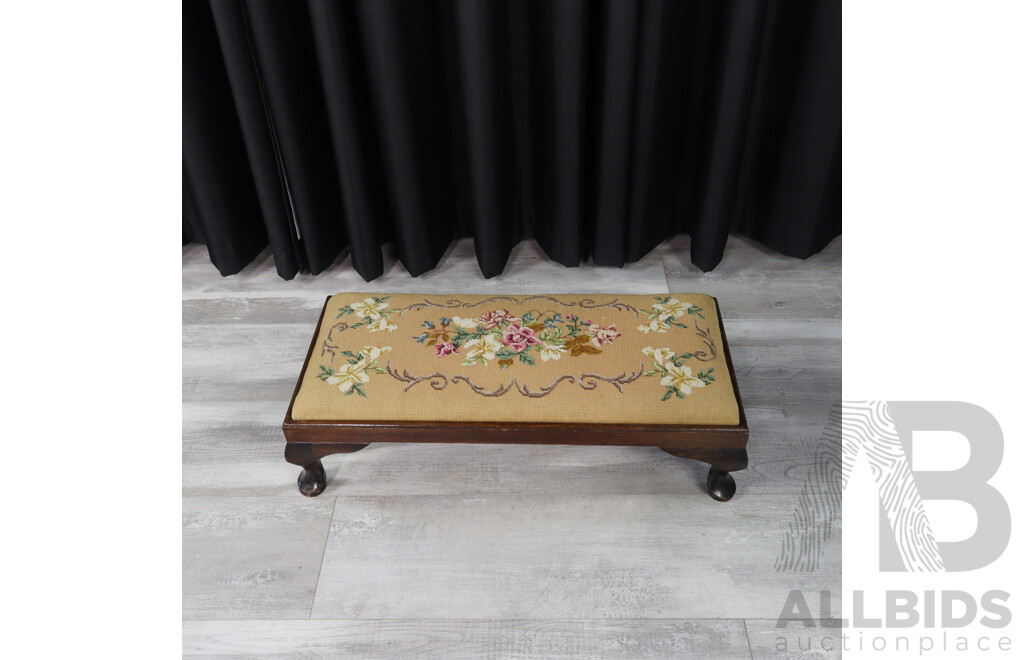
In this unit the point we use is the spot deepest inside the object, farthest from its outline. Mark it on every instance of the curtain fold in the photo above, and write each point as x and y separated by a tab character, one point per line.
598	128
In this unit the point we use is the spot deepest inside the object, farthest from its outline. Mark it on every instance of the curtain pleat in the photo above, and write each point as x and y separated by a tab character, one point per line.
221	207
616	80
599	128
483	43
258	134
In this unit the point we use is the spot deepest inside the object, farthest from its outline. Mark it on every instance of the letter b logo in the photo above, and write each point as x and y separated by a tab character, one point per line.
903	523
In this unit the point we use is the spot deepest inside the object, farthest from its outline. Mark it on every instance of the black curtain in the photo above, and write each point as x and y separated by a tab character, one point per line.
598	128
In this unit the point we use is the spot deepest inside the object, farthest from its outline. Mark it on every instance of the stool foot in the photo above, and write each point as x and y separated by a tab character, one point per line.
312	479
721	485
307	455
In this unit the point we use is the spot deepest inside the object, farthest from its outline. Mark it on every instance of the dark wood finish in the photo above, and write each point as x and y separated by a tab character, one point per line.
723	447
304	453
721	485
313	478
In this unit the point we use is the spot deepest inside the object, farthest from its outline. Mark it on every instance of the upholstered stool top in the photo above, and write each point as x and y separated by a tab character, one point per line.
565	358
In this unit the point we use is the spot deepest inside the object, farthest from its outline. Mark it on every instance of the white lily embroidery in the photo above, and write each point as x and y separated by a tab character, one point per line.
374	352
369	308
660	355
654	326
349	375
551	352
382	324
485	347
681	378
468	324
671	308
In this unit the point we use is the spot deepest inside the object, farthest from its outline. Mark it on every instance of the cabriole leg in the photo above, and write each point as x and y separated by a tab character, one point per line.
721	485
307	455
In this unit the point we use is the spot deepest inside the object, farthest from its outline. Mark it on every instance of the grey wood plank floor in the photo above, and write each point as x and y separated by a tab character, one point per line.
487	551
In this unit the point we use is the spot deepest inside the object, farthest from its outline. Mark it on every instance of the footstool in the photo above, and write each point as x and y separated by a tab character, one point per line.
558	369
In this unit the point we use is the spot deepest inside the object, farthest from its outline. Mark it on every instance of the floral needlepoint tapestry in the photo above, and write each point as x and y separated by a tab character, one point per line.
542	358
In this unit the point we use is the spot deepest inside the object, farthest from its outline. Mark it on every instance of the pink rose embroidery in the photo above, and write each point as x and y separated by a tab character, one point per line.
441	350
518	338
604	334
493	318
